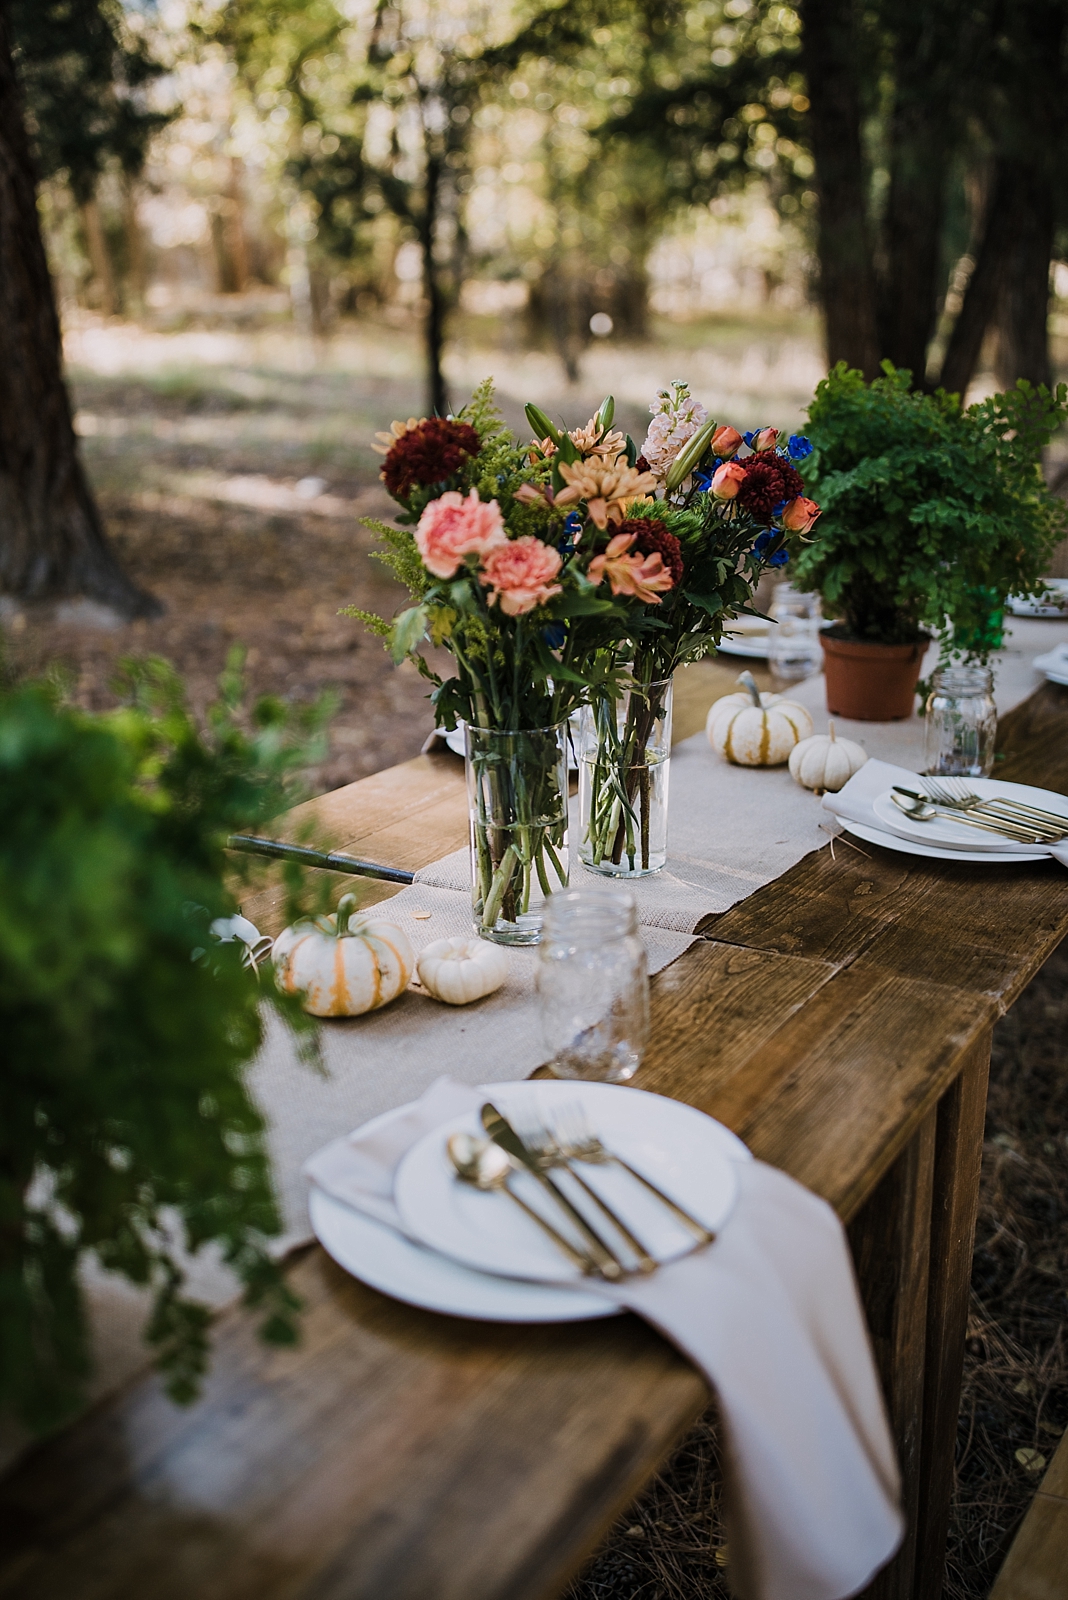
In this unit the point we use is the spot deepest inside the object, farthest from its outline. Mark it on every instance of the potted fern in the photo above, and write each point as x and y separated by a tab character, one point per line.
933	515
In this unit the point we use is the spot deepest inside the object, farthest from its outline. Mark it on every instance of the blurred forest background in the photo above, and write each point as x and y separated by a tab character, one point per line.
274	225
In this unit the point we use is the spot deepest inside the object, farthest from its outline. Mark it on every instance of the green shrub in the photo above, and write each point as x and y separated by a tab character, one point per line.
932	515
125	1126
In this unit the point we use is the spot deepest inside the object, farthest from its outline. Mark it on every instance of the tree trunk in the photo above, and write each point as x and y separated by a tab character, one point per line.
99	257
921	123
847	284
984	285
137	269
1023	307
433	293
51	538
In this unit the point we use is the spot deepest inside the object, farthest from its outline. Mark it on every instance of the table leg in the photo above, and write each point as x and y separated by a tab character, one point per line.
890	1238
958	1159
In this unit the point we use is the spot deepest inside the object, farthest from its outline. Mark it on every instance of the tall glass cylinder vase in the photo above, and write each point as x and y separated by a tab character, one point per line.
624	765
517	795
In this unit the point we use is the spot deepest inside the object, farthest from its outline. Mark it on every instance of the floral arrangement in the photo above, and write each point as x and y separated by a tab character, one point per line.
556	569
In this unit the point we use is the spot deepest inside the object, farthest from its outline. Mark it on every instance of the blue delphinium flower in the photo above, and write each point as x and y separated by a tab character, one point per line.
572	529
750	436
798	447
554	633
763	540
703	480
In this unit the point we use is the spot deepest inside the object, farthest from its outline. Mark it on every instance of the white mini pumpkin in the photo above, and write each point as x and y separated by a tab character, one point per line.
346	964
825	762
461	970
754	729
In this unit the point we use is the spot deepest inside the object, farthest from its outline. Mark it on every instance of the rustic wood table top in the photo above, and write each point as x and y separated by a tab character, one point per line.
838	1019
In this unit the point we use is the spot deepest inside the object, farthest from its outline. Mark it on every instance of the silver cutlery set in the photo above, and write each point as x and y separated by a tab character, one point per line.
545	1152
1009	819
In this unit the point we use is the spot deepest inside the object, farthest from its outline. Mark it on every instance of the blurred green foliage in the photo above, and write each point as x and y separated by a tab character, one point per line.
126	1128
84	73
932	515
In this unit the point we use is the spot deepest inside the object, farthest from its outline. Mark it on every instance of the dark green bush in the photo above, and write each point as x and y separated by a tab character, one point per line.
125	1125
932	515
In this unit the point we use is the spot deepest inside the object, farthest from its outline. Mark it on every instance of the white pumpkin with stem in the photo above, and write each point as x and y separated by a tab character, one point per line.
345	964
756	730
826	763
460	970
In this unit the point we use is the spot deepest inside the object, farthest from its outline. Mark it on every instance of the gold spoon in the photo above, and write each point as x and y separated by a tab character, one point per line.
487	1167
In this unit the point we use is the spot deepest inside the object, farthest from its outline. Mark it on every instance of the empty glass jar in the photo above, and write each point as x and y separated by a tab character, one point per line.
961	723
794	650
593	984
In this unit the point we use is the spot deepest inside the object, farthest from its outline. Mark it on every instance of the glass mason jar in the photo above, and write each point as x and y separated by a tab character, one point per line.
794	650
593	984
961	723
517	798
624	766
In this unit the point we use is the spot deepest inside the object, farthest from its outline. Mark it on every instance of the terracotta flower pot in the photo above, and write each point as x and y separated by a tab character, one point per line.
871	682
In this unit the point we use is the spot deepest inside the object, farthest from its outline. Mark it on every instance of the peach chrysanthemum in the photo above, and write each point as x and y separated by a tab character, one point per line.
608	487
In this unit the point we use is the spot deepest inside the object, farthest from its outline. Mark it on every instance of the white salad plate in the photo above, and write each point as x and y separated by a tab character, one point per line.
949	834
686	1154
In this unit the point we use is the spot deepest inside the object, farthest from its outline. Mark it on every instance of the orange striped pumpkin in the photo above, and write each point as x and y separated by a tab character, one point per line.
346	964
754	729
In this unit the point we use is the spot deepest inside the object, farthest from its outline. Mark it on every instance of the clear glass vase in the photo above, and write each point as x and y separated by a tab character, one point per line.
593	984
961	723
624	766
517	795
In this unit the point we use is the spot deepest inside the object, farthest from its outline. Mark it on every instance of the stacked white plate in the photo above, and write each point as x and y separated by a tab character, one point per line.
944	838
1054	664
1053	602
479	1256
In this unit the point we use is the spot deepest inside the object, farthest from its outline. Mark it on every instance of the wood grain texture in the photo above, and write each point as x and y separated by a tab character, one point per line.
958	1158
891	1242
1036	1567
828	1019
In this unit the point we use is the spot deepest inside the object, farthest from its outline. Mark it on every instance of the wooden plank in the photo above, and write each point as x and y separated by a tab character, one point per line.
958	1157
1036	1567
393	1453
891	1242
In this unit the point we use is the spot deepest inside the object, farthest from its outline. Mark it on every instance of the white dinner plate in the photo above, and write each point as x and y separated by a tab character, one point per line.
385	1259
688	1155
378	1255
894	841
950	834
458	745
741	644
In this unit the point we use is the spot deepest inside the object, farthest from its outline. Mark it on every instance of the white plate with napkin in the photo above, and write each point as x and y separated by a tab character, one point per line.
864	807
770	1314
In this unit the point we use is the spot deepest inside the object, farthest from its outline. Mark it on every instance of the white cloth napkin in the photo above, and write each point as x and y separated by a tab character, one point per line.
855	803
771	1316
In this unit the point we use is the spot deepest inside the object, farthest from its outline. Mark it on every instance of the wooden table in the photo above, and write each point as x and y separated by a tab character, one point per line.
839	1020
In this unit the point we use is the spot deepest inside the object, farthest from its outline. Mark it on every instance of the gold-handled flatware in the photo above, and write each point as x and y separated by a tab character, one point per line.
955	792
545	1147
921	810
582	1144
502	1133
486	1166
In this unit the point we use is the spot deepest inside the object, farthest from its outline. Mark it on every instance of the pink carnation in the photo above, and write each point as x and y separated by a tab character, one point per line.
452	528
520	572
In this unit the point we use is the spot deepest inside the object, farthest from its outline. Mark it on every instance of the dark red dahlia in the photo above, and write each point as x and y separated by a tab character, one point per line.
649	535
641	465
769	480
428	453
